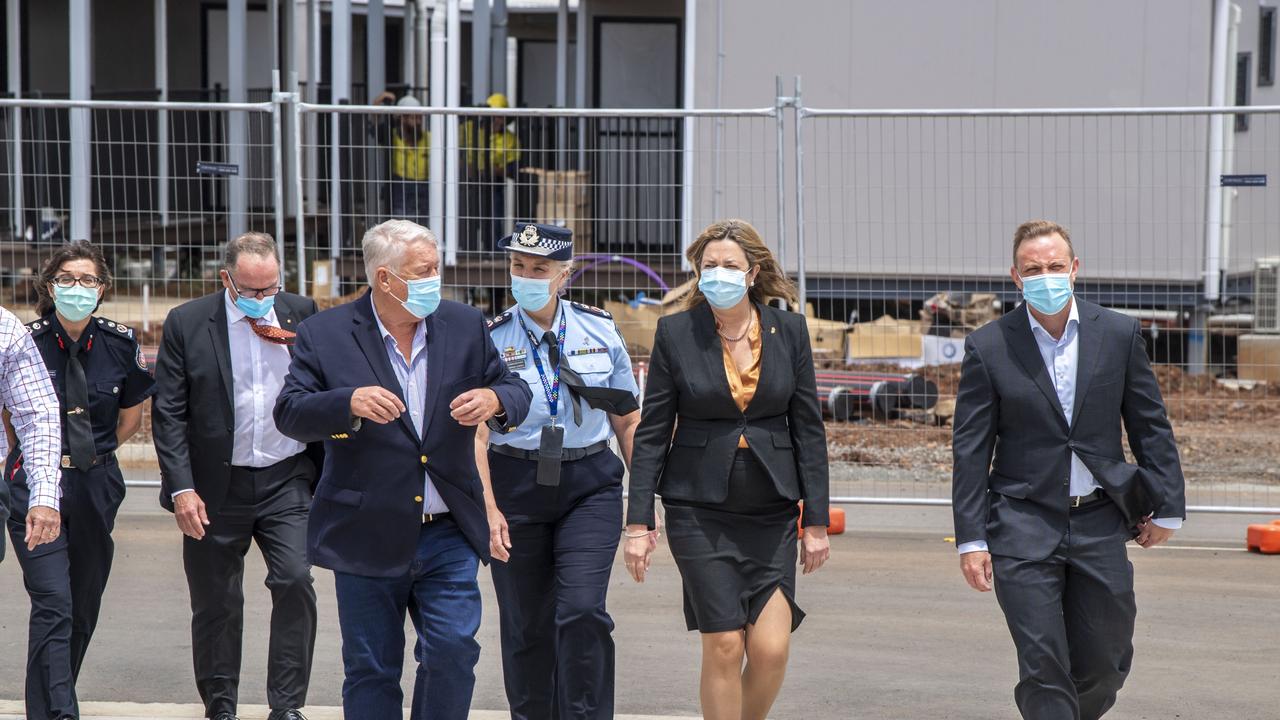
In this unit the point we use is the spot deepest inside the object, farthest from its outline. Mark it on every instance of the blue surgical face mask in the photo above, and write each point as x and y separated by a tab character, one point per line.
1047	293
723	287
76	302
424	295
530	293
256	308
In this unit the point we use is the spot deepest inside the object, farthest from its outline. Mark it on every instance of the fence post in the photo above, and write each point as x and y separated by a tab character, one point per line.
780	102
800	253
278	99
299	208
13	20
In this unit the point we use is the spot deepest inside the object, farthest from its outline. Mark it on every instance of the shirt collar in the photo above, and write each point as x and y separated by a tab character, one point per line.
532	324
419	333
235	314
1073	320
64	338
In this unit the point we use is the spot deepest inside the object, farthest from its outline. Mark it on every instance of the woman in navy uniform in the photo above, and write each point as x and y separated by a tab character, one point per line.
553	488
101	380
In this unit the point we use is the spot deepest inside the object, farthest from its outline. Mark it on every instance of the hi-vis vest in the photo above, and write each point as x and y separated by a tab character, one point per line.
410	162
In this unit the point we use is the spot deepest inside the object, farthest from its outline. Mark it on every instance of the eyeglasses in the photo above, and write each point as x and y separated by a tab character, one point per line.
254	293
92	282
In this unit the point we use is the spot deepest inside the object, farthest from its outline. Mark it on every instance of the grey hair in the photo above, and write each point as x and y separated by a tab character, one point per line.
384	244
250	243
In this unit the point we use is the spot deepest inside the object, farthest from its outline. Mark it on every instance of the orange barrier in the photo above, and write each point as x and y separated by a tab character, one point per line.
1264	538
837	520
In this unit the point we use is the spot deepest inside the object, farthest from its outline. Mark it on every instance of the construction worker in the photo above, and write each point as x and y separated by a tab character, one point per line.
490	151
410	143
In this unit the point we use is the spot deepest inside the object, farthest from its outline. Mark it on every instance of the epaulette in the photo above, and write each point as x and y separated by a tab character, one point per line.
117	327
500	320
592	310
38	326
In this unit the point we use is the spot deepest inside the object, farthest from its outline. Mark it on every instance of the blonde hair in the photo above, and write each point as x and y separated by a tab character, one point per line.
770	283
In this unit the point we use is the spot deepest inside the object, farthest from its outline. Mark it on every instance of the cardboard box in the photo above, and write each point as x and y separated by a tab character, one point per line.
564	199
639	324
1258	358
885	337
323	275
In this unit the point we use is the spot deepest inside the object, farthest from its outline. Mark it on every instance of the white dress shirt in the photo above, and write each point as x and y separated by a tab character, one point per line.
1061	358
413	386
258	369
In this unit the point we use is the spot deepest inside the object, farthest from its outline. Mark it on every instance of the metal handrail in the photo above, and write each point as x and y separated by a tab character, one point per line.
1041	112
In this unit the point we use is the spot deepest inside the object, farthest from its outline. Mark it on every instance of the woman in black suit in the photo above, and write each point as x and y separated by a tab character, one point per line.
731	436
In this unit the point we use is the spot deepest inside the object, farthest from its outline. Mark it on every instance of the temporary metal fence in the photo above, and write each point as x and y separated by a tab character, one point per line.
896	224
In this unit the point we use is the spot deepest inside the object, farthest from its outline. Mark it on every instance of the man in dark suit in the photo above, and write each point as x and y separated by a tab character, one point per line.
1043	498
230	476
395	385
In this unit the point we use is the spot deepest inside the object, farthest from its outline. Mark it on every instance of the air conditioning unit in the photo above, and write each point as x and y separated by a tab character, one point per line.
1266	295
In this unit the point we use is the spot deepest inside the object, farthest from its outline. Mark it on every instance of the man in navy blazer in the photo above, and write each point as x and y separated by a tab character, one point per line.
395	384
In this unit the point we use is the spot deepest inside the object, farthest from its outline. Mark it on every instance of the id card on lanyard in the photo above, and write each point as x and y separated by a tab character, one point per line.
551	445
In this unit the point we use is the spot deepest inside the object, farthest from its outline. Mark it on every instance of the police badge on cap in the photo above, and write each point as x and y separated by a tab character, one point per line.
549	241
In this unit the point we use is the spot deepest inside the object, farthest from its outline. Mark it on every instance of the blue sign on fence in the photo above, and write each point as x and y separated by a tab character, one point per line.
1244	181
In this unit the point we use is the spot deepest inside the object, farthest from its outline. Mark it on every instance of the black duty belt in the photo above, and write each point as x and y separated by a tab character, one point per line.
566	455
97	460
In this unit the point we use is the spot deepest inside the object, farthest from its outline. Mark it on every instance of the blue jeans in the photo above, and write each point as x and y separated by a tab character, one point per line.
443	598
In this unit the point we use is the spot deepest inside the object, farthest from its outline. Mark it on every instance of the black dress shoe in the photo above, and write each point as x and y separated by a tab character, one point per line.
225	716
291	714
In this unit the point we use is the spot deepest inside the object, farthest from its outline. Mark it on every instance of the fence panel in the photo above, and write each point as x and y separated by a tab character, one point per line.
908	218
616	178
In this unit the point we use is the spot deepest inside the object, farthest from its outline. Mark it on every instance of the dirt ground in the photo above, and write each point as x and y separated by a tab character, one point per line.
1224	434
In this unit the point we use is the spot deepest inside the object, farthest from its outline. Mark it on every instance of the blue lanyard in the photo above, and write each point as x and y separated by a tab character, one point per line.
551	388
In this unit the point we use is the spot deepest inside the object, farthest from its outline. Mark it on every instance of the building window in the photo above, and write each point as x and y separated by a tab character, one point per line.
1243	60
1267	45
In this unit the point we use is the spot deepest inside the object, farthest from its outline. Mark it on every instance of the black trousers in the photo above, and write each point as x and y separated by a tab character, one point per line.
557	644
1071	616
269	506
65	580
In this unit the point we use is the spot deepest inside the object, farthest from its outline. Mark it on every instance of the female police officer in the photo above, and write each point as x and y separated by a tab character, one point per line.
553	488
101	379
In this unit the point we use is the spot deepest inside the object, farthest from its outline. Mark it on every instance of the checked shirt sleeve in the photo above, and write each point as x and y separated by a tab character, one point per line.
27	394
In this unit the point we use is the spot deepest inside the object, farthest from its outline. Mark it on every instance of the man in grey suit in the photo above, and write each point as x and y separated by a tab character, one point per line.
1043	499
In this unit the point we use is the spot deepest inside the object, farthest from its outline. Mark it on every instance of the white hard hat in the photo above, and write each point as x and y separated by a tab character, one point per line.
408	101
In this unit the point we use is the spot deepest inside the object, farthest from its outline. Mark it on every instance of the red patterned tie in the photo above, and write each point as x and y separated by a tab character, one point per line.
271	333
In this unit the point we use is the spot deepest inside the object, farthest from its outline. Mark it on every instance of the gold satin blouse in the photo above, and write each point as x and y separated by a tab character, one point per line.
742	383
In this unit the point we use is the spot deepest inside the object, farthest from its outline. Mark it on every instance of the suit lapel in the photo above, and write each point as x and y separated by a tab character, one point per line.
771	356
436	337
1089	346
220	337
708	340
1023	343
370	341
287	319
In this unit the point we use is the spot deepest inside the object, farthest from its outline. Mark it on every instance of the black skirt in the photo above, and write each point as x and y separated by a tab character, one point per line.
732	556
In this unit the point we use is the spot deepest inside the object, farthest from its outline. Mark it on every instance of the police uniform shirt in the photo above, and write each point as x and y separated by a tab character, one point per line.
592	347
114	369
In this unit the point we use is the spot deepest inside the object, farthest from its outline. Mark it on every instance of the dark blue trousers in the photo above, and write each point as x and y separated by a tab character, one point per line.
557	644
442	597
65	580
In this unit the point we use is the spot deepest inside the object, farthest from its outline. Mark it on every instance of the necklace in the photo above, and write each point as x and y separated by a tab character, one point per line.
750	322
